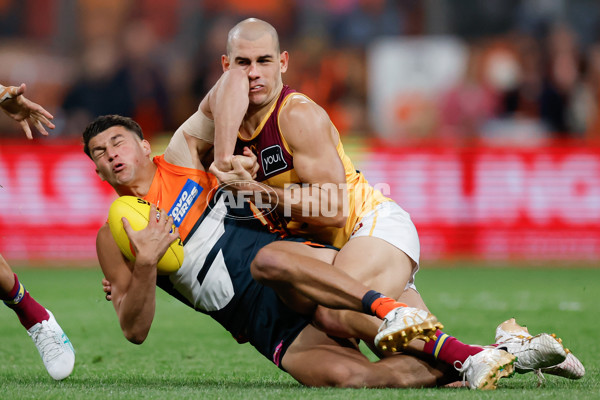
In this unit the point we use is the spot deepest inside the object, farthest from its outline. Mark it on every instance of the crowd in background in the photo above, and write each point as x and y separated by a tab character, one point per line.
533	65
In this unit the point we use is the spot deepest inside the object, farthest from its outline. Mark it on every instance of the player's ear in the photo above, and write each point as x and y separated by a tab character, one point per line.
146	146
284	58
225	63
100	174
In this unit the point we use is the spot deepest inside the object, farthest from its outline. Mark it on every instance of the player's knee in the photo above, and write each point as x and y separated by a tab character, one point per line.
269	265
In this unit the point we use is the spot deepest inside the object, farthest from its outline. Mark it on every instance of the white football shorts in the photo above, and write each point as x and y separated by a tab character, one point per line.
388	221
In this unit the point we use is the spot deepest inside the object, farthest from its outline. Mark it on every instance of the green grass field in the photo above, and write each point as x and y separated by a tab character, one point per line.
187	355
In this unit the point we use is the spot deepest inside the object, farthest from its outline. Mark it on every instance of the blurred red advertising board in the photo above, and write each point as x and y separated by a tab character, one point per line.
496	203
482	202
51	202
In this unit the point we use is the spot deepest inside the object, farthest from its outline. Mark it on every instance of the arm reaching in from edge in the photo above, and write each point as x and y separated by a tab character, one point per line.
23	110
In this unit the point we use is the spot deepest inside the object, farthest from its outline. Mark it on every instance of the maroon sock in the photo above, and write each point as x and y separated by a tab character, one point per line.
29	311
449	349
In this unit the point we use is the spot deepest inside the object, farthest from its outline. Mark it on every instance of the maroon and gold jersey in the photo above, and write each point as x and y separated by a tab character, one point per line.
276	168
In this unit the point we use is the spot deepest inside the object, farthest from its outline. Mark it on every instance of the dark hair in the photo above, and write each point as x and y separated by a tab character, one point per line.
104	122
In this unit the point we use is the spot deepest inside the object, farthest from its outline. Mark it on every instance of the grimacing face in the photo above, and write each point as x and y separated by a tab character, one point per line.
263	64
118	154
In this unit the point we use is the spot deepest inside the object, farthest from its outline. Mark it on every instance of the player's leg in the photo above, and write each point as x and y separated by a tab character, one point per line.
289	268
303	277
315	359
295	271
53	345
385	268
284	265
294	267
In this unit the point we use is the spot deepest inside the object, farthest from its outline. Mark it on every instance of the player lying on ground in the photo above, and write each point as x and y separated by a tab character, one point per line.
380	246
215	276
53	345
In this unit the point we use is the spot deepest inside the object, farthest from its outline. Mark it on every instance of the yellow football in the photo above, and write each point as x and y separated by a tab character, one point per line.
136	211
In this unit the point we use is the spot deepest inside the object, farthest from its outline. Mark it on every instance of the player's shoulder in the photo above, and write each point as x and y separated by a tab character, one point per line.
298	107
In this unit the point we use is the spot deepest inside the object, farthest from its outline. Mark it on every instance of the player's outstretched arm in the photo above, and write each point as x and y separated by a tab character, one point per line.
23	110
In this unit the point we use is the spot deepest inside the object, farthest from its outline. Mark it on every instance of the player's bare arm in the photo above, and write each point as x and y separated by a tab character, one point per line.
312	139
227	104
195	140
23	110
304	124
133	285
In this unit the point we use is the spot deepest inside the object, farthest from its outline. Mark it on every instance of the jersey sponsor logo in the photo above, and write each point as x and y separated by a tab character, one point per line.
186	198
272	160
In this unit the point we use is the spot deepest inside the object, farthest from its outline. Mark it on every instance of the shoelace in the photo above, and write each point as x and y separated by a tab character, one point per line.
386	321
45	339
461	368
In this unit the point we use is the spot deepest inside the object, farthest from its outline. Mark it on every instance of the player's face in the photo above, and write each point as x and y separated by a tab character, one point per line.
263	64
118	154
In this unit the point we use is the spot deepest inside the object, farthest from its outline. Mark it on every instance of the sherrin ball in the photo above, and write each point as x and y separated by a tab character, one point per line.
136	211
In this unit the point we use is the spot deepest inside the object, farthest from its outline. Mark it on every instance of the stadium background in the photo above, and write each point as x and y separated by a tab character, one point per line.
481	117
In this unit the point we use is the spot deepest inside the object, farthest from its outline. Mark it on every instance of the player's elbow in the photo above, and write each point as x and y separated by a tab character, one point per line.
135	337
135	333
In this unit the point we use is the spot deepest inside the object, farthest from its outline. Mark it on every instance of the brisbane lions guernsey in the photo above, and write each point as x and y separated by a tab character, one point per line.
276	168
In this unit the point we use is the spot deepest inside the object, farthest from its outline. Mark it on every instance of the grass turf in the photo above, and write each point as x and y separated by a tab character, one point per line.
187	355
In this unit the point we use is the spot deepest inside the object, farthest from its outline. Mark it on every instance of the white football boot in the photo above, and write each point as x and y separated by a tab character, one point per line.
404	324
54	347
484	369
571	368
543	353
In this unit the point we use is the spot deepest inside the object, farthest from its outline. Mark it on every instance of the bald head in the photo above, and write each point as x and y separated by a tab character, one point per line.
251	29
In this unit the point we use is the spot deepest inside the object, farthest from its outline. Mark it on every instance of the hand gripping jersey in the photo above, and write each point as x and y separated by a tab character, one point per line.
218	248
276	168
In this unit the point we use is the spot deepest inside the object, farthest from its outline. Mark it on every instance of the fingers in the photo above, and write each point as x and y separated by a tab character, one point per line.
174	234
26	129
40	128
106	283
127	227
40	112
106	287
21	89
236	163
249	153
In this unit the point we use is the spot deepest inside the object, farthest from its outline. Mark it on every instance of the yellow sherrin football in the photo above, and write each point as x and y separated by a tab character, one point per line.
136	211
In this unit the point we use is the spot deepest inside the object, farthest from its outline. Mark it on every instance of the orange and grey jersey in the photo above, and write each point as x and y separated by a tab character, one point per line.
219	243
276	168
183	192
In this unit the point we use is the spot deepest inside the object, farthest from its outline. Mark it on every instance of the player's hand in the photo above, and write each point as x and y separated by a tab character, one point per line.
238	177
249	162
25	111
152	242
107	288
